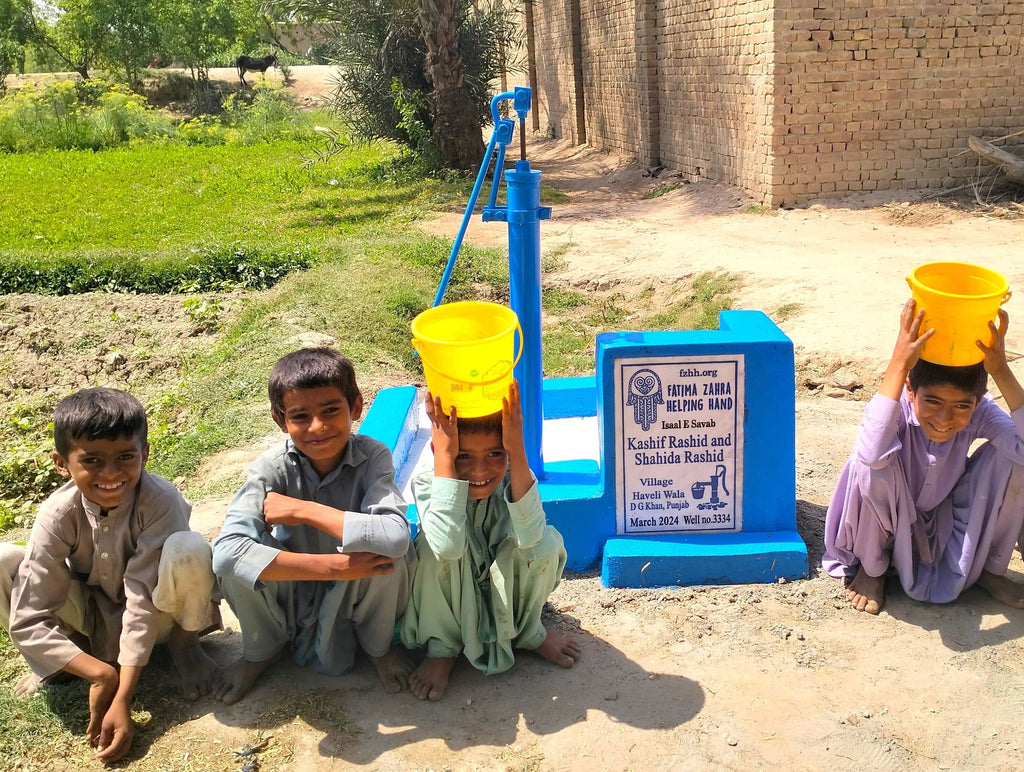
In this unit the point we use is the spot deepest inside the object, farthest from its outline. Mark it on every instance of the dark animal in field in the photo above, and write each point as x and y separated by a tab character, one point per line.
254	64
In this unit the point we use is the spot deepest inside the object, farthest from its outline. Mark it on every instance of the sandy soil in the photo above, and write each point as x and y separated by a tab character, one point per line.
780	676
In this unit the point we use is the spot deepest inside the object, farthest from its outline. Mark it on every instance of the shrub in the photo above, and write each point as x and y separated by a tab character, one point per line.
213	268
76	114
382	87
95	115
269	116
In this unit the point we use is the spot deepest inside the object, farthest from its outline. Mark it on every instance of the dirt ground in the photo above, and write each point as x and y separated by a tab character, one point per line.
782	676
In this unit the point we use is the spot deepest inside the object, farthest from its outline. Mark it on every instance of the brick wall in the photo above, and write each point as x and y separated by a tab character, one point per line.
715	82
789	99
610	74
878	95
555	97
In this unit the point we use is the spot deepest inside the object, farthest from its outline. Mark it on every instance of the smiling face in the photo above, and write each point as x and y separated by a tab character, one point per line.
482	462
942	409
104	470
319	421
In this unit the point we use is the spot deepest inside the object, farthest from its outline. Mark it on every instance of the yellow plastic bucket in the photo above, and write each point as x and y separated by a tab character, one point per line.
467	349
959	300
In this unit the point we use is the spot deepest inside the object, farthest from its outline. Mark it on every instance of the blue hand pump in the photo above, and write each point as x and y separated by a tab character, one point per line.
523	214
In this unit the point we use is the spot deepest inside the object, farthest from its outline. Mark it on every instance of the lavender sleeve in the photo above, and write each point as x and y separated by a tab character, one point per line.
878	440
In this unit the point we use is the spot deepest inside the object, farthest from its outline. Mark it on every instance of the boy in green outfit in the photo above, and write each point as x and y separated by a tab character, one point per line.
487	558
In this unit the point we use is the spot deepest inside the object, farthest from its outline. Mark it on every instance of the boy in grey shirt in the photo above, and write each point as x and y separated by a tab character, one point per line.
315	550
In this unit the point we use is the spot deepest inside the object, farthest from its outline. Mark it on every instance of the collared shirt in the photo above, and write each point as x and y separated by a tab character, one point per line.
116	556
890	430
363	485
456	526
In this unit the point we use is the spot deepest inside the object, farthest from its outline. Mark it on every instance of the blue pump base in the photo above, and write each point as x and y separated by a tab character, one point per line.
703	559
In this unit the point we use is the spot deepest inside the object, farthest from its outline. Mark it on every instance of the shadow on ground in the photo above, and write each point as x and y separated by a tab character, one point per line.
362	722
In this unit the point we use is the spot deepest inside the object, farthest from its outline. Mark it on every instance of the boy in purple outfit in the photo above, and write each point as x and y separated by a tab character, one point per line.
912	498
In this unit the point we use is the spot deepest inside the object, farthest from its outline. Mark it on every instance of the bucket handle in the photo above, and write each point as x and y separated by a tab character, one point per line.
519	329
1006	297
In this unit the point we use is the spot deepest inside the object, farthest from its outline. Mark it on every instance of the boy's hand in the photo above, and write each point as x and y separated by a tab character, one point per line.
906	352
104	683
116	733
360	565
909	341
519	480
995	355
444	436
279	509
997	366
512	421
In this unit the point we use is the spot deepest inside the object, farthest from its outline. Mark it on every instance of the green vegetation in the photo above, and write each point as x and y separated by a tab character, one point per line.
96	114
164	218
229	266
549	195
661	190
122	36
27	475
575	318
45	726
709	294
389	88
203	205
785	311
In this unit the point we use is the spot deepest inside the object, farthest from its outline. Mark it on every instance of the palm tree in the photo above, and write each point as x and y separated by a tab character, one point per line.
456	129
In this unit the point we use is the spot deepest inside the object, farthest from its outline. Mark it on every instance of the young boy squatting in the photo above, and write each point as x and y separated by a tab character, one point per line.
911	498
110	569
488	559
315	550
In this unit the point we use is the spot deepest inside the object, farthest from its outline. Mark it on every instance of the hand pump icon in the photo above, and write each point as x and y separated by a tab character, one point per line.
698	488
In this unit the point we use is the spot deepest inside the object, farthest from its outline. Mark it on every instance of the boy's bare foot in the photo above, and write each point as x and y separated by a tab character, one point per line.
1003	589
559	649
31	683
240	677
430	679
28	685
866	593
394	669
200	675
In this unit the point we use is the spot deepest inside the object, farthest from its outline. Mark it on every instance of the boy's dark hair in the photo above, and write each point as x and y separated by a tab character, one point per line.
970	378
97	414
485	424
311	368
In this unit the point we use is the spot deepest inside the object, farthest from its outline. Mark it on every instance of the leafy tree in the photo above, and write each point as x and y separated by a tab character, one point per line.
15	32
195	32
76	35
416	71
455	129
132	37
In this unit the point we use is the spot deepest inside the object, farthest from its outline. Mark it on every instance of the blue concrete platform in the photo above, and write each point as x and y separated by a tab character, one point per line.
662	503
748	558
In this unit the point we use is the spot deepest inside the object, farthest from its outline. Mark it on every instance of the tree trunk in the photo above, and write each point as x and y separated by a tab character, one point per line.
1012	165
457	133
